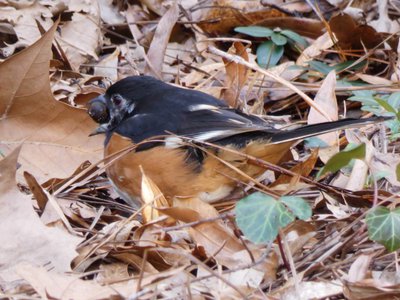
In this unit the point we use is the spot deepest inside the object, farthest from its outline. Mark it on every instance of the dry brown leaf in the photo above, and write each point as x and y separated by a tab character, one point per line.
183	214
55	135
303	168
395	77
155	6
359	268
214	236
36	190
306	27
246	280
153	199
194	77
224	15
359	173
114	272
315	49
288	72
137	262
374	79
351	35
23	237
384	23
23	17
386	164
110	13
132	16
88	7
309	290
326	99
53	285
298	234
382	285
160	40
108	67
236	78
80	38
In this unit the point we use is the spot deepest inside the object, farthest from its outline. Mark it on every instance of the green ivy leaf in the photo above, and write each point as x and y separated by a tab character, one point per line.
344	65
278	39
298	39
320	67
260	216
255	31
384	227
299	207
342	159
269	54
394	100
385	105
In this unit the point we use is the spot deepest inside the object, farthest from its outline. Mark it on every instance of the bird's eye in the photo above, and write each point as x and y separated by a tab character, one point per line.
117	100
98	112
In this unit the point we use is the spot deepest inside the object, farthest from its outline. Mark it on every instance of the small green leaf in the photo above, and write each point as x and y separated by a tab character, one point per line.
315	142
299	207
394	100
260	216
298	39
385	105
278	39
343	158
365	100
255	31
344	65
269	54
320	67
384	227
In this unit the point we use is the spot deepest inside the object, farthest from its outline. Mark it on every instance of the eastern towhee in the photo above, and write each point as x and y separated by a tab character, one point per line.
141	108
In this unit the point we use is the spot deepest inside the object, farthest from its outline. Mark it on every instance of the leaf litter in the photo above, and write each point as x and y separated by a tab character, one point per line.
65	234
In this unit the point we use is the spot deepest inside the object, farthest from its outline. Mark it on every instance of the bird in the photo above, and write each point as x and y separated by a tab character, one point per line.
173	129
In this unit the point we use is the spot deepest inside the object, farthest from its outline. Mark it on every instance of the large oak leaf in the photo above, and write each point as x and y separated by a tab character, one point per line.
23	236
55	135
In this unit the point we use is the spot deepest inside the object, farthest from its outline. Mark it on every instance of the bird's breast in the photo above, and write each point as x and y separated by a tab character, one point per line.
177	176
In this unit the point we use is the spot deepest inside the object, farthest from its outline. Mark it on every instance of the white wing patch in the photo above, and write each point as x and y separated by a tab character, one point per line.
196	107
173	142
210	135
236	121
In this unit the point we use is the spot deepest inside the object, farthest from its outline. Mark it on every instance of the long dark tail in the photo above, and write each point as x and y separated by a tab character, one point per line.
317	129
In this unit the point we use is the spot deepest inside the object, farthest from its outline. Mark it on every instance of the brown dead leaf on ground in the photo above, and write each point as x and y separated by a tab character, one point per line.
29	114
62	286
326	99
216	238
108	67
304	168
81	45
370	285
351	35
160	40
237	76
188	249
153	199
322	43
23	237
24	16
310	290
225	15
